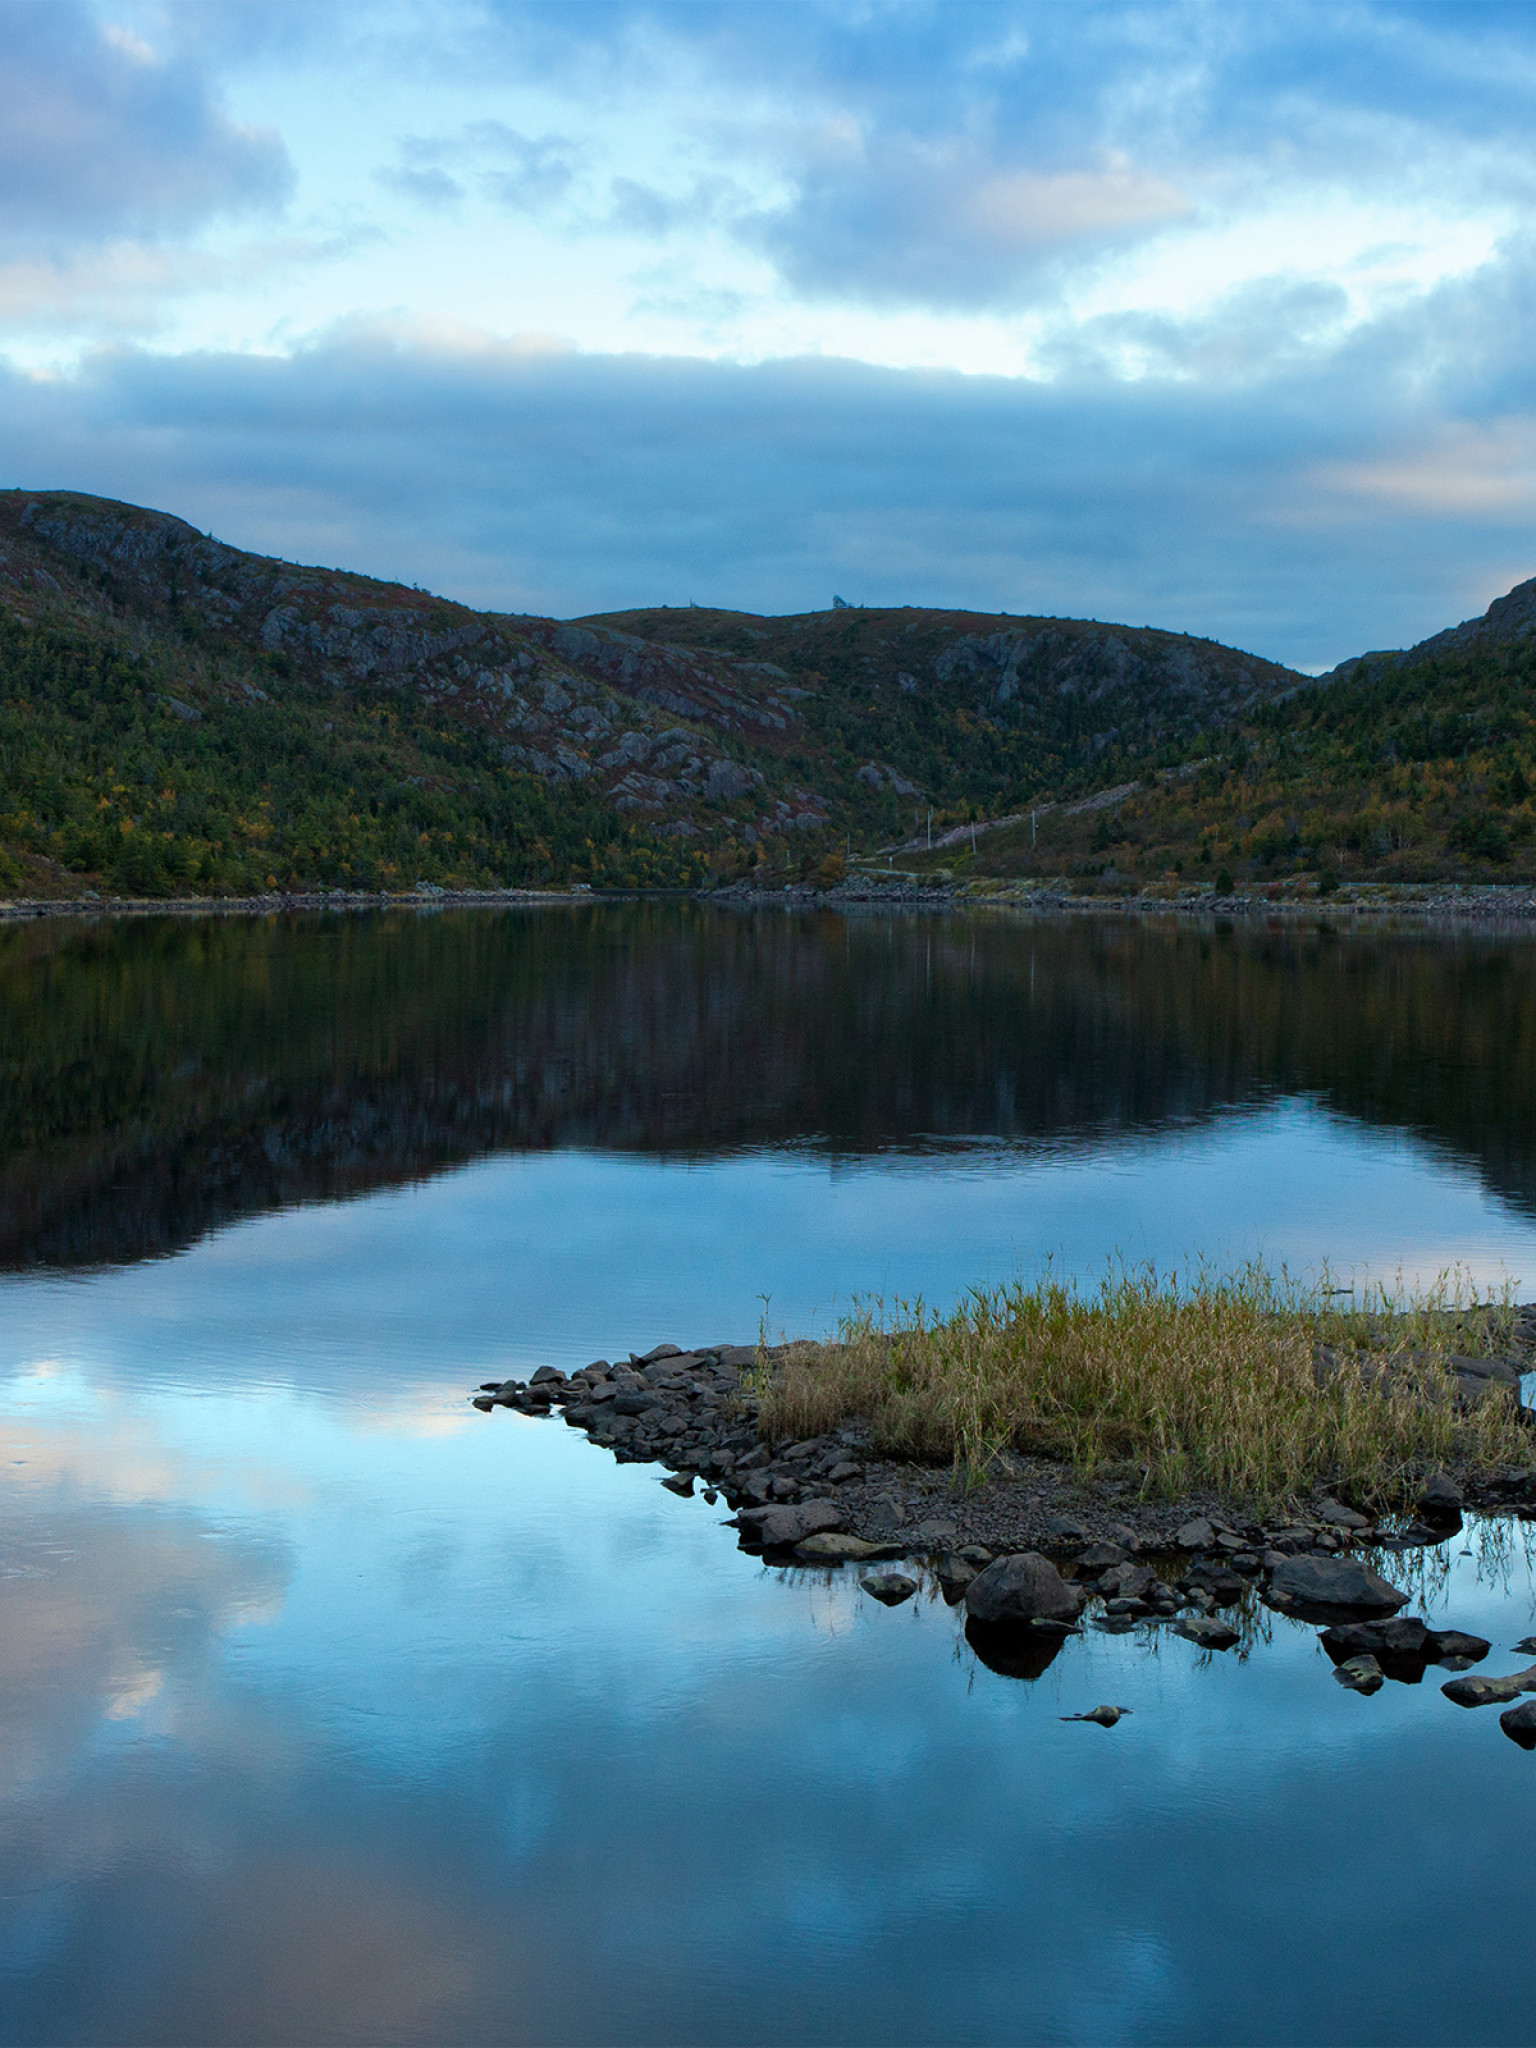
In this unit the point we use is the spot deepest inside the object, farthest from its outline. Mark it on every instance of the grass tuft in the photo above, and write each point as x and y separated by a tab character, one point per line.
1211	1385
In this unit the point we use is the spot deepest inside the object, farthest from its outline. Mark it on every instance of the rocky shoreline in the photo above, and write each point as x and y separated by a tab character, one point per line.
1484	904
1035	1554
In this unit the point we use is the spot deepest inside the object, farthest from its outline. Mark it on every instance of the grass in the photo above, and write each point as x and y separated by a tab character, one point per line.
1209	1386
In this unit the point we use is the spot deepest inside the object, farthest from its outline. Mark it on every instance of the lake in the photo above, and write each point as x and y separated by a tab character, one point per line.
334	1711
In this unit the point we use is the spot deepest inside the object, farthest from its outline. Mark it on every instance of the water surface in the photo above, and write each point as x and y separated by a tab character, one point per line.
335	1712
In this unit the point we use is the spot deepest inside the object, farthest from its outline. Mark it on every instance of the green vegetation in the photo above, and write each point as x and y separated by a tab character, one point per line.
1403	772
1211	1386
161	773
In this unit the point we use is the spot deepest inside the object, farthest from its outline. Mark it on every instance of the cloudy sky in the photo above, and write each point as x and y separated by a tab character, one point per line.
1201	314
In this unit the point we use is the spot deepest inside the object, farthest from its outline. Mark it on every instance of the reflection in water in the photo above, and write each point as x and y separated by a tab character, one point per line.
333	1712
161	1078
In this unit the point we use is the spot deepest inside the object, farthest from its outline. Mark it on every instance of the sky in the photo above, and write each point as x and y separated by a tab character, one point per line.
1203	314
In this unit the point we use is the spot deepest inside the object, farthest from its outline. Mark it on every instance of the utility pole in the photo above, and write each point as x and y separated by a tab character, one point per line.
930	828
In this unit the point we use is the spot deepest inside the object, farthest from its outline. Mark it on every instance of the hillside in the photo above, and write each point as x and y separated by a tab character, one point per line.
1416	765
180	716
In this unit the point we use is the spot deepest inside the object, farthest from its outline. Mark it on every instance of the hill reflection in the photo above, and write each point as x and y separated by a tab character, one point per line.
159	1079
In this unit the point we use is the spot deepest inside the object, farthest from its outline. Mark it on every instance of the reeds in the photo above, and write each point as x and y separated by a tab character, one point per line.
1212	1385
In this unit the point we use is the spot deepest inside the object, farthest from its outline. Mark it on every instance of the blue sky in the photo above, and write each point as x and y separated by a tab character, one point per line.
1212	316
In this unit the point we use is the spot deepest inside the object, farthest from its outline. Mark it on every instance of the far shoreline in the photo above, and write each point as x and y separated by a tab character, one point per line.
1449	904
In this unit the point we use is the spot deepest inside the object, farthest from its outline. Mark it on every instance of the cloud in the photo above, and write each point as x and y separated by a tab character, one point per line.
898	219
1483	469
532	478
104	137
523	173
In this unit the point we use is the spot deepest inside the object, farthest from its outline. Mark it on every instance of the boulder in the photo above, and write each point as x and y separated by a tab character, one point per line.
1334	1582
1519	1724
780	1528
1442	1644
679	1482
1403	1636
889	1588
1196	1535
1024	1587
1068	1530
1098	1557
547	1375
1128	1581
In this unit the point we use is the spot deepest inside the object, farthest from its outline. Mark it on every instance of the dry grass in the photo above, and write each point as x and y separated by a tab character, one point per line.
1204	1386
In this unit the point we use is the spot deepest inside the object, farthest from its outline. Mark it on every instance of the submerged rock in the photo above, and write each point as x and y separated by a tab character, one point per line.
1360	1674
1102	1717
1207	1633
1021	1588
831	1547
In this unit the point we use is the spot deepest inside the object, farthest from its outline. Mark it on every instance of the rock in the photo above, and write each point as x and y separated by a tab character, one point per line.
1334	1582
1115	1624
890	1588
1067	1530
1519	1724
1102	1717
780	1528
1442	1644
930	1534
679	1482
843	1472
1527	1644
1123	1534
1403	1636
1024	1587
483	1402
547	1375
1128	1581
1195	1535
631	1403
658	1352
1337	1516
1209	1635
1100	1556
1440	1500
1490	1692
490	1386
955	1574
829	1547
1360	1674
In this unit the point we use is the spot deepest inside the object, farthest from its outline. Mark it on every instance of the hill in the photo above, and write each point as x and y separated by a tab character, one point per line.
178	716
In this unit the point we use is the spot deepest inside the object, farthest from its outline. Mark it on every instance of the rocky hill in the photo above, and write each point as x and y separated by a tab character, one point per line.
176	714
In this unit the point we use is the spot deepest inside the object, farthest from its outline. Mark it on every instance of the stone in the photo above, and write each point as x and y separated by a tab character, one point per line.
1519	1724
1102	1717
1195	1535
679	1482
630	1403
1100	1556
1337	1516
658	1352
1490	1692
1334	1582
1528	1645
547	1375
1403	1636
1123	1534
1128	1581
1443	1644
484	1403
1067	1530
842	1472
490	1386
955	1574
1440	1500
1023	1587
889	1588
780	1528
831	1547
932	1533
1207	1634
1360	1674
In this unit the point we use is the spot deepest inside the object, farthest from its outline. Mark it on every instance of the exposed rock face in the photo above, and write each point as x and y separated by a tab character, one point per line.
1023	1588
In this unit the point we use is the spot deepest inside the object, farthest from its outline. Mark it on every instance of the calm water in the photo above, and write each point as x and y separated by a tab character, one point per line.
330	1711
